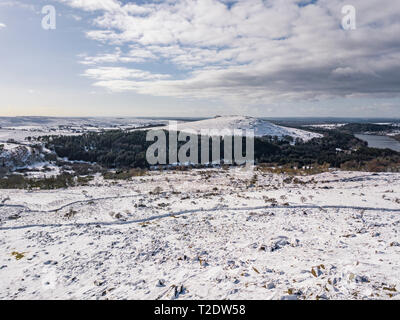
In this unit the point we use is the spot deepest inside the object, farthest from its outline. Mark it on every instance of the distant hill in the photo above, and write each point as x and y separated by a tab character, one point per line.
260	127
368	128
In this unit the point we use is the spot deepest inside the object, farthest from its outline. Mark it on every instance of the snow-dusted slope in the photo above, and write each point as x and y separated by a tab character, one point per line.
13	156
43	123
205	235
19	128
260	127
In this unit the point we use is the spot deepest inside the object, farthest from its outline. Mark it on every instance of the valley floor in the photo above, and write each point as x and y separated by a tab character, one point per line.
205	234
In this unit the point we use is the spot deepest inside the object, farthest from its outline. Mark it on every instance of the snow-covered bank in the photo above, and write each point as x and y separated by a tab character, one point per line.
14	156
211	234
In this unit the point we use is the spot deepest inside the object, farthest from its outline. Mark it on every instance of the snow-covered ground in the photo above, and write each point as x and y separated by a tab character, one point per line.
260	127
19	128
38	123
205	234
330	126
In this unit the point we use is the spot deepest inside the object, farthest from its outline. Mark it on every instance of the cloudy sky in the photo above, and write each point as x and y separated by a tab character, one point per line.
200	58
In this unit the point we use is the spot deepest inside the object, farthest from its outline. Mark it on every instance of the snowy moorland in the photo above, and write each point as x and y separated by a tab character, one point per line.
19	128
205	234
21	147
19	134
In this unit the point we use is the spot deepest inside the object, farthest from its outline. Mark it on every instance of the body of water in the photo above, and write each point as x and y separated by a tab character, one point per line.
380	142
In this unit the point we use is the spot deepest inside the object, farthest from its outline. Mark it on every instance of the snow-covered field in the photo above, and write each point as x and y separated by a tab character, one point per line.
38	123
205	234
19	128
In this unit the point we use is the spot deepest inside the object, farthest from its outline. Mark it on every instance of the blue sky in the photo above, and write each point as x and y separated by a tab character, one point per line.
199	58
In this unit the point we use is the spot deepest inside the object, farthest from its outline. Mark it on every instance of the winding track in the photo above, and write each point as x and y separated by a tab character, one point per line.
27	209
180	213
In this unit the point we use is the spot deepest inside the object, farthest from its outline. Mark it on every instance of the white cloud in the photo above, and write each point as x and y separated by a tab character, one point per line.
115	73
2	26
254	51
135	55
93	5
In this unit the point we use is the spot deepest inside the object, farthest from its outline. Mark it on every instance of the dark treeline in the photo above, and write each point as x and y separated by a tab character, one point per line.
366	127
124	150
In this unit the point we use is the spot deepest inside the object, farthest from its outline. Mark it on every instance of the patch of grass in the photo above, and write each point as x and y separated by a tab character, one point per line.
62	181
292	170
379	164
18	255
84	181
124	175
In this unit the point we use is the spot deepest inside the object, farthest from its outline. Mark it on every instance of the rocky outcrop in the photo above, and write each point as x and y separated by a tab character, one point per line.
17	156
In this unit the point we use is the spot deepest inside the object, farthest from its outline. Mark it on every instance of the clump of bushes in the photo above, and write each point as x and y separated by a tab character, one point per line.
124	174
84	180
64	180
380	164
293	170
